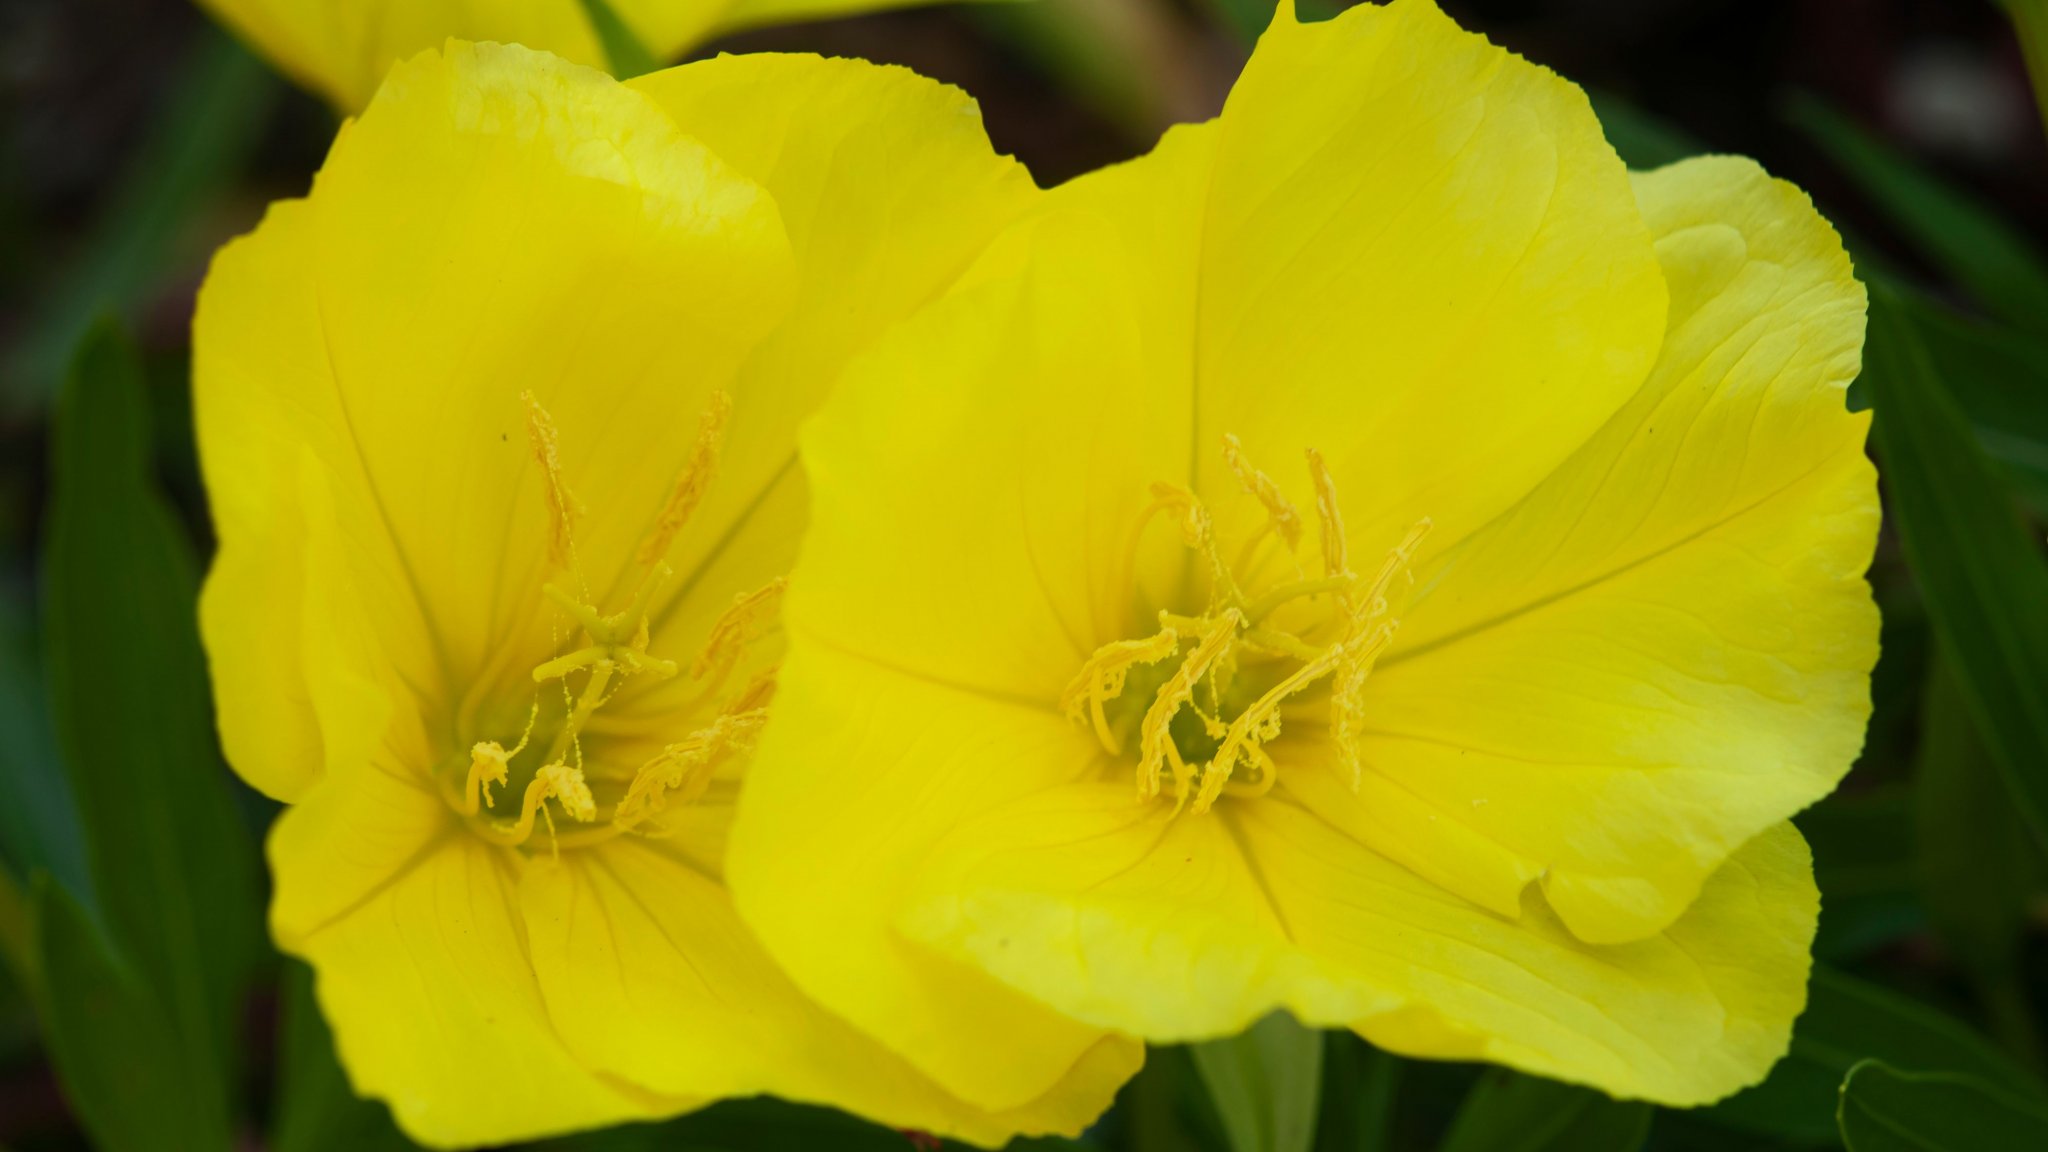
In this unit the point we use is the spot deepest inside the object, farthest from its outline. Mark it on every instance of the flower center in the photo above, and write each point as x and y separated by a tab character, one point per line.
545	767
1204	694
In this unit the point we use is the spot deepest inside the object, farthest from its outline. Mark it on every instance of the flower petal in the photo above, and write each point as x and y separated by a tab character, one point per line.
838	815
1023	417
498	221
435	1008
650	976
404	915
1666	648
1124	915
888	188
1420	256
342	50
1188	927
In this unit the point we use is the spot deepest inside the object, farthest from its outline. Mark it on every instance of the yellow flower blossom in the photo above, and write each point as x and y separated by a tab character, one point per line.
1372	557
340	49
498	427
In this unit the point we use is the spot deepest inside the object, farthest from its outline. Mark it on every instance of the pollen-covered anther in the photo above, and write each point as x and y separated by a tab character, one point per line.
1241	645
563	507
734	629
1369	629
1156	750
489	764
1329	521
557	781
1102	677
683	771
1281	518
692	482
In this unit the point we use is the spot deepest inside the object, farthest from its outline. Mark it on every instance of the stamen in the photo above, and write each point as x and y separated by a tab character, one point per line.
1257	725
1101	680
1368	632
734	629
490	763
1330	522
692	482
683	770
1156	742
1280	512
563	507
557	781
1197	531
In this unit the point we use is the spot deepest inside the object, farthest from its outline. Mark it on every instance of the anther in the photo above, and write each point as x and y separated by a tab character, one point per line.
1281	518
1330	522
734	628
1101	680
1155	737
692	482
563	507
683	770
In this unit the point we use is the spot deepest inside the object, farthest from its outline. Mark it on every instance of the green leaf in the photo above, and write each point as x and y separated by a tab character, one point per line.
1509	1112
629	57
1884	1109
123	1063
1265	1084
1863	862
316	1110
1247	19
1979	569
1966	239
1847	1021
753	1125
209	123
1643	140
39	823
1998	377
169	854
1358	1096
1979	868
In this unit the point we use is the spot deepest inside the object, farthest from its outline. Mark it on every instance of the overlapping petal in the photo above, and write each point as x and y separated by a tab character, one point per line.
1183	929
1639	641
502	223
1666	647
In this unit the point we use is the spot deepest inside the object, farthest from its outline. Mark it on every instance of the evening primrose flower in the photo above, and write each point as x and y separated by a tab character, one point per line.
1372	557
498	427
341	49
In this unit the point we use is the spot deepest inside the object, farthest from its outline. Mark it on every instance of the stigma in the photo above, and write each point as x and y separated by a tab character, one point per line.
1204	694
547	771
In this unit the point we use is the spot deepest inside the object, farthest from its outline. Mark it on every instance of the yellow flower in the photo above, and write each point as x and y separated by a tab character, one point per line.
341	49
498	428
1371	557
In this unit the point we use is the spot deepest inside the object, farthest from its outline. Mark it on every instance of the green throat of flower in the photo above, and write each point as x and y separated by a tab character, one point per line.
1204	694
506	791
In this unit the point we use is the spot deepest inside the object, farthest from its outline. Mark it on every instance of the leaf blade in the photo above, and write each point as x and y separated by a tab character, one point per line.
1984	581
1265	1084
1846	1021
1968	241
167	850
1510	1112
1885	1109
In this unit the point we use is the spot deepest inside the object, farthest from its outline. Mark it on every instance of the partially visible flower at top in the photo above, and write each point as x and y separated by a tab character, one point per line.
341	49
498	427
1371	557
